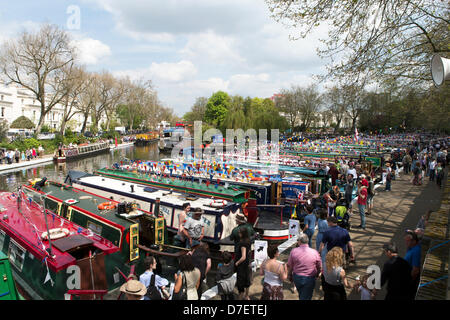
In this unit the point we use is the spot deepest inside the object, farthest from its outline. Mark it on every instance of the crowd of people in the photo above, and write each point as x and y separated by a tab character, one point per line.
16	156
324	261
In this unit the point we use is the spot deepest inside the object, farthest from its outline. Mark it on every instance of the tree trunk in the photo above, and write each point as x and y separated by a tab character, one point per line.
63	127
83	128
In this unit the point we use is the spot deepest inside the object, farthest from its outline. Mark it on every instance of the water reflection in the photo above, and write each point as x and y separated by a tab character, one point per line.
10	181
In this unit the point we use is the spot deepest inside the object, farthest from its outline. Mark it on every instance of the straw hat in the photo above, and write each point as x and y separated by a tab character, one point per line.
134	287
241	218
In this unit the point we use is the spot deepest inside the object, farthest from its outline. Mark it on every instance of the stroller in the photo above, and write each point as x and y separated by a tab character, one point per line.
342	215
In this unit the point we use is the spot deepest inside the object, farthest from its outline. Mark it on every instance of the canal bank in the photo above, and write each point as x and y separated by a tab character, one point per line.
5	168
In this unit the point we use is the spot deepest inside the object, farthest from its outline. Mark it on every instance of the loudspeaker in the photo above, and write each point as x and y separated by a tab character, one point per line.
440	69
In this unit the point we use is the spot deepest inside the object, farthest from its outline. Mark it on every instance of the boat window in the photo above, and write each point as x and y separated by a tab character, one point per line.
16	254
95	228
51	205
2	239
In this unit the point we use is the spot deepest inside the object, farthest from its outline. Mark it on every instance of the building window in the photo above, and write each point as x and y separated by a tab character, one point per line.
2	97
3	111
22	101
34	113
23	111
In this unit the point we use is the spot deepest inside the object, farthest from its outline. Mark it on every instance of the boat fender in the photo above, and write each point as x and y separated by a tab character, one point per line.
106	206
218	203
55	233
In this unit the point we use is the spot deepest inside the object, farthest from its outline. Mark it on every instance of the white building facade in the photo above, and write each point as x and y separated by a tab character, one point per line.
16	101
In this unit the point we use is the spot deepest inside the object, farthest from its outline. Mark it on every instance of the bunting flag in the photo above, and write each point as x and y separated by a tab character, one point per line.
48	277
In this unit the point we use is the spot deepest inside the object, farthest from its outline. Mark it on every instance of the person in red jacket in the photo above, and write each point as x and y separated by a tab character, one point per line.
362	203
334	173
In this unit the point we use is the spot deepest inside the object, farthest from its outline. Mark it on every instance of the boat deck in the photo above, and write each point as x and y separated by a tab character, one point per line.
27	225
84	200
233	194
145	192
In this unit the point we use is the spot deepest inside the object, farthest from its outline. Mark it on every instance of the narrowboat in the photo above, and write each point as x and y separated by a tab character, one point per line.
218	216
186	185
49	254
134	231
8	288
80	151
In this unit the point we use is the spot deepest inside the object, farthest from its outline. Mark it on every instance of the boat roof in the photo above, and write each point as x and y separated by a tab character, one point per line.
168	182
86	201
26	228
143	191
215	177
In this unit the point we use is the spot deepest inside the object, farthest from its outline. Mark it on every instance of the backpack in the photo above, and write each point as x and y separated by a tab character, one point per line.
182	294
152	290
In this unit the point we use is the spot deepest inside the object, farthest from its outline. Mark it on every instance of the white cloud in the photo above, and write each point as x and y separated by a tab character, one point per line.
90	51
172	72
145	18
213	48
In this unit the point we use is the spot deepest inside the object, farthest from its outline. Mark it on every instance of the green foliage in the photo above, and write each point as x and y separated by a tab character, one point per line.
235	112
217	108
22	122
128	116
407	111
21	144
45	128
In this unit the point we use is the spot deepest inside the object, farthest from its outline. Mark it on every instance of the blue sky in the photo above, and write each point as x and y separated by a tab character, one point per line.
188	48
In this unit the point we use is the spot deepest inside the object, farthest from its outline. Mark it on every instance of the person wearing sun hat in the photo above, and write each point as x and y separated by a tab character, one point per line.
134	290
242	222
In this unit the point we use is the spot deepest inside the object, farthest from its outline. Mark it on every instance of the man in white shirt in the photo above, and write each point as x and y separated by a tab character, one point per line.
432	169
194	230
352	171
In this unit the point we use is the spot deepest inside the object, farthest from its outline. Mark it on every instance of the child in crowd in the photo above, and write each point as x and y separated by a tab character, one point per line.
361	287
224	277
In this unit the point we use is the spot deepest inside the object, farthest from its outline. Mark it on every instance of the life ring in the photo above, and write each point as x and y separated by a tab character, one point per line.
218	203
106	206
55	233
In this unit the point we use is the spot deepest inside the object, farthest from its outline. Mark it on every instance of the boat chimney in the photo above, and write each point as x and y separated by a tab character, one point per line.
156	210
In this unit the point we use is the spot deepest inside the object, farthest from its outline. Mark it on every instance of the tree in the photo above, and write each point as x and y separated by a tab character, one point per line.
109	93
289	102
35	61
217	108
336	105
198	110
22	122
87	99
235	117
353	99
311	100
75	83
380	39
